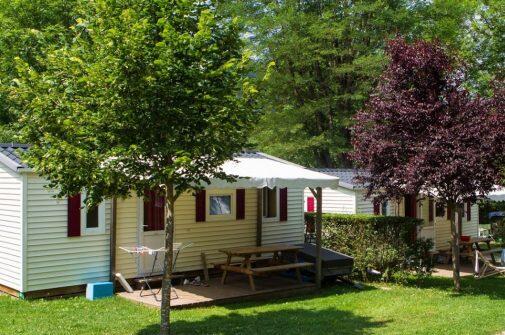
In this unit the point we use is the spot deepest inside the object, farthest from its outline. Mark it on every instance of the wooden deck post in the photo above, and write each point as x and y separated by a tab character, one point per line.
259	217
318	194
112	246
319	217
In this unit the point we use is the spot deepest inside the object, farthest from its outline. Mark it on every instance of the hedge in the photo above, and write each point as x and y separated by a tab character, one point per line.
382	243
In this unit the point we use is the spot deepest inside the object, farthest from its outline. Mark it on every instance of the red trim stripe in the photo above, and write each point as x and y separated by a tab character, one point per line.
283	205
240	197
200	206
74	216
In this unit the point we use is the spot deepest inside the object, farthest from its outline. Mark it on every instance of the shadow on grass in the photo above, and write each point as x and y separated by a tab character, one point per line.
331	290
492	287
281	321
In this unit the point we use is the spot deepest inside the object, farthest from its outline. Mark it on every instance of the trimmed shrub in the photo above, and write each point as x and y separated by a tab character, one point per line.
382	243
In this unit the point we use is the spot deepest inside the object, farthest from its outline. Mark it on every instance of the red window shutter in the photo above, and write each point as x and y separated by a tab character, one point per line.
283	204
468	211
413	203
200	206
376	207
240	197
310	204
74	216
431	215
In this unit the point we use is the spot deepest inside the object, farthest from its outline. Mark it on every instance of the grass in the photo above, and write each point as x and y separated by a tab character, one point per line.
428	308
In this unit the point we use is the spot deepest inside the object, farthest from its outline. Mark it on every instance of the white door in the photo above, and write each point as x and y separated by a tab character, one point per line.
151	236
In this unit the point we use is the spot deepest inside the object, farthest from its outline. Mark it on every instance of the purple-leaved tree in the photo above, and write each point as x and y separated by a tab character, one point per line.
422	132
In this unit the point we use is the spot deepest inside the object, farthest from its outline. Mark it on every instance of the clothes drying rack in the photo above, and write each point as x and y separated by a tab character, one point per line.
139	251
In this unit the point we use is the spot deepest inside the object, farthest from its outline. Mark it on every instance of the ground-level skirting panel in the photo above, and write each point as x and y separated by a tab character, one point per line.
9	291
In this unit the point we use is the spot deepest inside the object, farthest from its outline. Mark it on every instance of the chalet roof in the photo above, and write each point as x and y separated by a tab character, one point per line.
253	168
346	176
257	169
10	155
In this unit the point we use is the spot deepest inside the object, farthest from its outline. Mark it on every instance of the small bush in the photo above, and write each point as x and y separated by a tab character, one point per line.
498	230
382	243
419	257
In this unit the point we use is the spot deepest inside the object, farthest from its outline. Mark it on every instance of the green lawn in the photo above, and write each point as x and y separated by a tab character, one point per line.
430	308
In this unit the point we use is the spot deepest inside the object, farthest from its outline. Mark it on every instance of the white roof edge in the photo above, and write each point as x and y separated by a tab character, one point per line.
269	171
10	163
349	186
285	161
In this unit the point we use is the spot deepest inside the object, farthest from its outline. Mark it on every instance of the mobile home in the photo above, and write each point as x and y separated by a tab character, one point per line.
56	246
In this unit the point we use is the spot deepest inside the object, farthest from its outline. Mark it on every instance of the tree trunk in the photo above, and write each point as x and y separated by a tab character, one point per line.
166	287
455	244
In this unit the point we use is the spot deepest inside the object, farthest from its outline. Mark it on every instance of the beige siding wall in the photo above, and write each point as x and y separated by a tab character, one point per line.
440	230
126	230
427	230
397	208
471	228
209	236
443	228
206	237
340	200
53	259
292	230
11	231
363	206
442	233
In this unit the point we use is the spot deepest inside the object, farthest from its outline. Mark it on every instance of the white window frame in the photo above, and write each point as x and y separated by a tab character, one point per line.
221	217
101	218
278	207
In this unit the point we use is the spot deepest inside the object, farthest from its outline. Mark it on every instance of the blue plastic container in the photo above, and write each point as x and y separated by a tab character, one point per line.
99	290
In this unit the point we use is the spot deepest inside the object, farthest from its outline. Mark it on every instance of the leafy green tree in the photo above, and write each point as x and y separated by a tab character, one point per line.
484	47
443	20
27	29
149	94
321	59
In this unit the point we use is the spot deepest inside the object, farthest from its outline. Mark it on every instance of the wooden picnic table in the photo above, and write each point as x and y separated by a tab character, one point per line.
474	243
276	263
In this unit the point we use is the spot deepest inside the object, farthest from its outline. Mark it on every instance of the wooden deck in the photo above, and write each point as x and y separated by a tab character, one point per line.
445	270
236	289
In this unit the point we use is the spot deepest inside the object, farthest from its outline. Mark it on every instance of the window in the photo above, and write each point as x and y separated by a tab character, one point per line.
92	219
154	211
384	208
439	210
270	202
411	205
220	204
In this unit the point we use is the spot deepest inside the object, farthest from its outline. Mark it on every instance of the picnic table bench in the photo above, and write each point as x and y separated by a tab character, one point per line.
276	263
468	245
